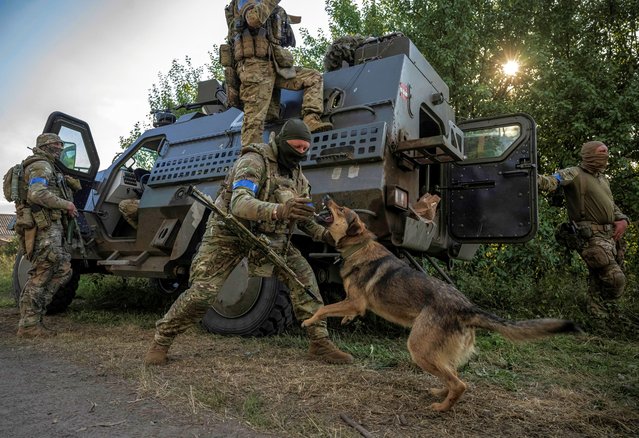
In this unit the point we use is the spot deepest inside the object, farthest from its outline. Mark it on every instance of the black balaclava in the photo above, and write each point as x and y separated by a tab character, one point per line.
592	161
287	157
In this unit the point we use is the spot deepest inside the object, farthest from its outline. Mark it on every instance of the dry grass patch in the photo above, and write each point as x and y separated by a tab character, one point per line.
270	385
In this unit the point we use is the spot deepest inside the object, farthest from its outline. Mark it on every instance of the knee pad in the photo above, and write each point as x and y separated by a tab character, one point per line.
615	281
595	256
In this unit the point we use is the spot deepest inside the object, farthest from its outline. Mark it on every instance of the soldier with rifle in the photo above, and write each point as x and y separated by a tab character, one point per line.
41	221
266	191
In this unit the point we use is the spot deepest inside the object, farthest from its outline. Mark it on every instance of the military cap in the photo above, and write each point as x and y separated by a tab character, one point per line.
47	138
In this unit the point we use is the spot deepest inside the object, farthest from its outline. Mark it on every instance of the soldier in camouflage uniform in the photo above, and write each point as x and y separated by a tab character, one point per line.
259	31
267	190
43	243
600	222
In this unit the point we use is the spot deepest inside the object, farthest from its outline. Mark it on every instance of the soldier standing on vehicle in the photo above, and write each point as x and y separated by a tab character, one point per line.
600	224
47	207
267	190
256	55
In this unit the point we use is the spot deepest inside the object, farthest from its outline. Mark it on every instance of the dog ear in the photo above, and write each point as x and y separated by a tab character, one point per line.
355	226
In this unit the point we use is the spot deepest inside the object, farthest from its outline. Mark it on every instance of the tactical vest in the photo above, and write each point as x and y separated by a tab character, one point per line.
275	188
598	207
54	187
246	42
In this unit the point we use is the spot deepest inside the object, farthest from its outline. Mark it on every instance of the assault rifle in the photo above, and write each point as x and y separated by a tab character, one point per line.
247	238
73	223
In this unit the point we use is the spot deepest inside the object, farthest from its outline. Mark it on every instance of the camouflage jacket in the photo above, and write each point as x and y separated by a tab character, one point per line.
254	188
45	183
588	196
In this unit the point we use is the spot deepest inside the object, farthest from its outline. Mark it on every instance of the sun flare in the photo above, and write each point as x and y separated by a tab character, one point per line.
511	68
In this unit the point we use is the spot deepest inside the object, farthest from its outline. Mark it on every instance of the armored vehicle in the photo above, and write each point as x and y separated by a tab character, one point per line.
395	139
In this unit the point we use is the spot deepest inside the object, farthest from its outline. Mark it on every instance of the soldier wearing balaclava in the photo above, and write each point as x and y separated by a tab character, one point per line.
267	190
598	222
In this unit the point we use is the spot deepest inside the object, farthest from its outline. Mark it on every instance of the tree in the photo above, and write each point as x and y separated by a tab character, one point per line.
176	87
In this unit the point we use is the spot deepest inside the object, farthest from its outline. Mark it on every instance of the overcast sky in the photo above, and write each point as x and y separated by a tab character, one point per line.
96	60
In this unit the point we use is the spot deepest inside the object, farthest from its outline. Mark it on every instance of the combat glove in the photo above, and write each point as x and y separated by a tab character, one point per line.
73	183
294	209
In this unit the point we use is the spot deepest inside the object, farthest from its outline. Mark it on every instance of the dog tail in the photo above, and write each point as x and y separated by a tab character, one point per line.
522	330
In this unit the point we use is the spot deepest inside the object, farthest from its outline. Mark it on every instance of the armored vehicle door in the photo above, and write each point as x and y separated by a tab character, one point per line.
79	155
492	193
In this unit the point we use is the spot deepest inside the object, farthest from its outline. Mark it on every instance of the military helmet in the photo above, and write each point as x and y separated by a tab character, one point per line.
47	138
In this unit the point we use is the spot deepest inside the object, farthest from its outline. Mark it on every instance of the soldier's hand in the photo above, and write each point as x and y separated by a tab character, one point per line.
295	209
73	183
72	210
620	228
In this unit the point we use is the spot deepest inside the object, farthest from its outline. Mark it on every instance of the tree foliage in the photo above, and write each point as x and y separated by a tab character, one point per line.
176	87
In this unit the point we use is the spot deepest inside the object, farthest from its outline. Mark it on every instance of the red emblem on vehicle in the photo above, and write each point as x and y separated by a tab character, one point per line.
404	91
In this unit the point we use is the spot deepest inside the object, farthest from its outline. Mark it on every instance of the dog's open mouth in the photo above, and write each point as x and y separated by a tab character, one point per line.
324	217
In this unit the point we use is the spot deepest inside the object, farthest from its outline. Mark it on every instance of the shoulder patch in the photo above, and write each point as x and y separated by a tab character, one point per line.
248	184
38	180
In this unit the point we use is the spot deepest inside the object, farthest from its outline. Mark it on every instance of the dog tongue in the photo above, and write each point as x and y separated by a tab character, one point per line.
326	218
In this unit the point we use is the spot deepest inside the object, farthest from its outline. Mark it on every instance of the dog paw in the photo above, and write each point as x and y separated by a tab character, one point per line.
440	407
347	319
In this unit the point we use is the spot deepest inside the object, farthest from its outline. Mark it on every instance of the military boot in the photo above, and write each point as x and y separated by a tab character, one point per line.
156	355
35	331
315	124
324	350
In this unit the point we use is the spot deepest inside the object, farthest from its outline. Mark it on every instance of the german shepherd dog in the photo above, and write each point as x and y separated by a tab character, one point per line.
442	319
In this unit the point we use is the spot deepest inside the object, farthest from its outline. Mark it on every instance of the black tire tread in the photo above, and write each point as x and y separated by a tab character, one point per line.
273	321
280	318
64	296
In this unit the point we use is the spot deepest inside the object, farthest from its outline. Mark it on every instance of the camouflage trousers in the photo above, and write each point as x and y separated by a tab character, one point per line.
129	209
218	255
51	269
604	258
258	83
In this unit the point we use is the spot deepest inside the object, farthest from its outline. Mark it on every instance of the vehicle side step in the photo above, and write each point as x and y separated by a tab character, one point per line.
114	260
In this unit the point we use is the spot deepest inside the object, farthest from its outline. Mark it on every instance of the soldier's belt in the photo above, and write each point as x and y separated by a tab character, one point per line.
597	227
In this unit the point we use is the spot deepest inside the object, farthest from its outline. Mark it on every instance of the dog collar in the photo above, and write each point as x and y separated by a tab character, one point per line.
350	251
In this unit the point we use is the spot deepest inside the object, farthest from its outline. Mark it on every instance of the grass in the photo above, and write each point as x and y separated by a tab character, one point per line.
574	386
6	267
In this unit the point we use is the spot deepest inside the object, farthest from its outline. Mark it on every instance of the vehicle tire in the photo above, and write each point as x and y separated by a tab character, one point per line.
61	300
262	308
167	286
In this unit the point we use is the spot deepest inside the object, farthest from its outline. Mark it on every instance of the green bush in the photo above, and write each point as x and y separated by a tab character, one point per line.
107	292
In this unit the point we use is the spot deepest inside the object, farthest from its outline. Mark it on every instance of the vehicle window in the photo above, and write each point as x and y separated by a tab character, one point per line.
144	158
491	142
74	153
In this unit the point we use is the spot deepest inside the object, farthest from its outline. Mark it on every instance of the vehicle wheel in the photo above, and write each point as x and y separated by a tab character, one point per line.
167	286
61	299
253	306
